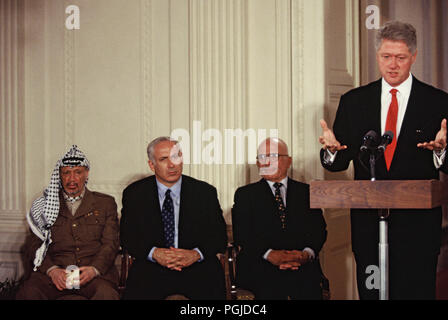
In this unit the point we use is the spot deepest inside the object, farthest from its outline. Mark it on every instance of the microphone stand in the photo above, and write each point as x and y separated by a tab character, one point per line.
372	162
383	253
383	245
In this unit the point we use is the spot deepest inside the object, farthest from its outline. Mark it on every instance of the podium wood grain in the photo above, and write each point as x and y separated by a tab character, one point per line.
380	194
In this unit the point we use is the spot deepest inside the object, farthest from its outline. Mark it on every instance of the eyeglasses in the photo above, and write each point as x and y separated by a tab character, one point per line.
270	156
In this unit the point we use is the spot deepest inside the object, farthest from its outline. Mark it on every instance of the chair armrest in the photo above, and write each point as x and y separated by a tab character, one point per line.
126	262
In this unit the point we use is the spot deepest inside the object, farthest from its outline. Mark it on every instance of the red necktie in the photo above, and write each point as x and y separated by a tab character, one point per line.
391	124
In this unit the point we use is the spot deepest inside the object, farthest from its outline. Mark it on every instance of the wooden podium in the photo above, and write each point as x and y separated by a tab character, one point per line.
383	195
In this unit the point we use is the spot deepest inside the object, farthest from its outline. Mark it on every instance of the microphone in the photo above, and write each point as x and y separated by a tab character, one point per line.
386	139
370	141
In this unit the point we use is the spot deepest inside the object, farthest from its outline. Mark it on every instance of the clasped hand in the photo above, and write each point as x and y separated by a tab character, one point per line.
59	276
175	258
288	259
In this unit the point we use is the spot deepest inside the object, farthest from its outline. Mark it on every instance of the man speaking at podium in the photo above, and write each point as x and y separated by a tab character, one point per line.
416	114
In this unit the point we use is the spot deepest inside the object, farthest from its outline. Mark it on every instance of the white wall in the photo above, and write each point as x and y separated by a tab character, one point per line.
139	69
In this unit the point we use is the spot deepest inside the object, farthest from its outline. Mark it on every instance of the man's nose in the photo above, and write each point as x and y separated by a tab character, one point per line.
393	63
71	177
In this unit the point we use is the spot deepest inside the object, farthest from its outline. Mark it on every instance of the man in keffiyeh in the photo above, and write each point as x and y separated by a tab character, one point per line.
72	228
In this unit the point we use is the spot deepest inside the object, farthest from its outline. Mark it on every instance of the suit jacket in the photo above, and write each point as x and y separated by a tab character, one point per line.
201	224
360	111
88	238
257	227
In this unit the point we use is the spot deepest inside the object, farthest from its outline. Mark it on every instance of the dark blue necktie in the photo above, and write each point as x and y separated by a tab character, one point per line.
168	220
280	204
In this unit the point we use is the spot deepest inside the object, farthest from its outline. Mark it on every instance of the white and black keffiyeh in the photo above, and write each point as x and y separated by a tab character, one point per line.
45	209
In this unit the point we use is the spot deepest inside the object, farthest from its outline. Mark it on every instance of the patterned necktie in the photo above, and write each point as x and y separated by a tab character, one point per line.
168	220
391	125
280	204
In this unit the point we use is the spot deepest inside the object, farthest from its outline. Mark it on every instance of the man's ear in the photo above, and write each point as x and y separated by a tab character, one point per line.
151	165
290	161
414	56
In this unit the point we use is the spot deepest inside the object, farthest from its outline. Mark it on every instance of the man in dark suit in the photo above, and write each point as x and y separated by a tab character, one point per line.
173	226
280	237
416	114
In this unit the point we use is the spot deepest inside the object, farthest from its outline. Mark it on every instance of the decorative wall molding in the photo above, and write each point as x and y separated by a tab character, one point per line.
146	75
218	82
11	115
9	270
298	82
346	73
69	82
283	68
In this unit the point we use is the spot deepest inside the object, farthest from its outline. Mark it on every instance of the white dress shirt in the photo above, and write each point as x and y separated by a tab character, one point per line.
404	91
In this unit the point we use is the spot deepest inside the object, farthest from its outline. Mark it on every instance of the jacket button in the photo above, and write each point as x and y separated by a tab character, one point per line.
74	225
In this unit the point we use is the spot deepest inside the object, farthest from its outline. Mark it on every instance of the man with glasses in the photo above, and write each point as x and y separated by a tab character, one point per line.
279	235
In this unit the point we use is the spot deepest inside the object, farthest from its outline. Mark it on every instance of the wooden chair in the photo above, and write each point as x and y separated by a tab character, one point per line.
126	263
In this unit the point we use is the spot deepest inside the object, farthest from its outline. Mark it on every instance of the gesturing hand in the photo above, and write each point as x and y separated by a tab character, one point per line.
439	143
328	139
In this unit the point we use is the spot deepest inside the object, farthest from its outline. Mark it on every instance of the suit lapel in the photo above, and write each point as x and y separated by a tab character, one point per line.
372	110
151	207
267	203
63	209
414	118
268	195
291	197
87	205
187	197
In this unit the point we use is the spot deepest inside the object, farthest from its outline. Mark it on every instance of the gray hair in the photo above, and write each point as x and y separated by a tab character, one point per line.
153	143
397	31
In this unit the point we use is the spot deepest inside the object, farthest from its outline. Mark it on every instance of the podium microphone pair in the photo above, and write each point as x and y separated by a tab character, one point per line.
371	141
376	147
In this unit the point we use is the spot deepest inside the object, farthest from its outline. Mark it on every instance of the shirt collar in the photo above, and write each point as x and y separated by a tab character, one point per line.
74	199
284	182
404	88
175	188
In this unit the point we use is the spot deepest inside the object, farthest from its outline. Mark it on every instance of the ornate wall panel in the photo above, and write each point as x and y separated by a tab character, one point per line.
11	133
